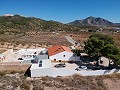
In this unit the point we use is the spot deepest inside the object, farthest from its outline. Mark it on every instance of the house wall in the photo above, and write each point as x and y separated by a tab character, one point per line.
41	72
60	56
40	57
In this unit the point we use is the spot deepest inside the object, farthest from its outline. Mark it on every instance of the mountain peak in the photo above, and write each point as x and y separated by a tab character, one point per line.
90	17
92	21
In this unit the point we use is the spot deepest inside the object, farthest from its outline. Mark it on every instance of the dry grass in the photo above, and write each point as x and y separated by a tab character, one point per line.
30	39
44	39
83	36
2	50
75	82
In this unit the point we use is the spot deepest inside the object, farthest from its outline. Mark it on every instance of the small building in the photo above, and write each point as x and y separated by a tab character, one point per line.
61	53
103	61
42	68
2	57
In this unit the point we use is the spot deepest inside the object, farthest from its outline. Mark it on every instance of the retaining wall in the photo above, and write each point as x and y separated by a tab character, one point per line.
17	67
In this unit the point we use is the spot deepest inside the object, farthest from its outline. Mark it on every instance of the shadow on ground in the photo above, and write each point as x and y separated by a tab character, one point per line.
28	73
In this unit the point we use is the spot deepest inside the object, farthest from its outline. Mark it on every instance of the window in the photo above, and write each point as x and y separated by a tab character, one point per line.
63	55
40	63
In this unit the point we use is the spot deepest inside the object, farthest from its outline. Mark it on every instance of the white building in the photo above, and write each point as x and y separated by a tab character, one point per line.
61	53
42	68
32	55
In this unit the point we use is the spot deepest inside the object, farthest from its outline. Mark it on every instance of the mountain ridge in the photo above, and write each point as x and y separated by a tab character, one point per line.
93	21
18	22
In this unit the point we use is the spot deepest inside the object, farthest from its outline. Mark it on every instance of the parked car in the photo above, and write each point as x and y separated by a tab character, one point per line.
20	59
112	67
60	65
81	68
98	68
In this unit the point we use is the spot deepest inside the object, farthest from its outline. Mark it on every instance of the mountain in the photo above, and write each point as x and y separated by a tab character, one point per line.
21	23
93	21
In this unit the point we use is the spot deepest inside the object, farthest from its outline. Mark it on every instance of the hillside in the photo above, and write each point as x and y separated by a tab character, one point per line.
75	82
93	21
22	23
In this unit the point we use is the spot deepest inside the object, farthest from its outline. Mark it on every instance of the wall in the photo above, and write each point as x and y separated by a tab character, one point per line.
41	72
98	72
68	56
54	72
14	67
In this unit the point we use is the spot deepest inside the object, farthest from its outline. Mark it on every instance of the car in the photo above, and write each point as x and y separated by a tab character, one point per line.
60	65
20	59
81	68
98	68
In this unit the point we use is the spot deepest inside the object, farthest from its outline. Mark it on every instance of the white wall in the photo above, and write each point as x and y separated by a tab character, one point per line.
41	72
54	72
98	72
68	56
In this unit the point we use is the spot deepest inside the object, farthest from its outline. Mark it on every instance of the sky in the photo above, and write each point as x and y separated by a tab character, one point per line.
63	10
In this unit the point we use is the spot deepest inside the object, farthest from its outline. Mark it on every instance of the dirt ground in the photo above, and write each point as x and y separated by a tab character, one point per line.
45	39
83	36
32	39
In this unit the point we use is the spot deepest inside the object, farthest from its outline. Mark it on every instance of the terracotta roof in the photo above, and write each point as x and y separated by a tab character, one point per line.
57	49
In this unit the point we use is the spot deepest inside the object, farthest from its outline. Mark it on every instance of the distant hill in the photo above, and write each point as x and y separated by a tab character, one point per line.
93	21
18	22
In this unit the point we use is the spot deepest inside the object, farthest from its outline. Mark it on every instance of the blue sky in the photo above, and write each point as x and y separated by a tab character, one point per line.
63	10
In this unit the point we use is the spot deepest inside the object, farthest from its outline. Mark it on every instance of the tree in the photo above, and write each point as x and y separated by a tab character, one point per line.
102	45
112	52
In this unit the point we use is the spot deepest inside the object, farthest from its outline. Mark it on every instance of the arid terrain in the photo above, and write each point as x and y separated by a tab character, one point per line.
45	39
75	82
60	45
34	39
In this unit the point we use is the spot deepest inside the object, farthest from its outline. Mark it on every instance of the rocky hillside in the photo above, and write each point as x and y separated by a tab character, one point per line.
18	22
92	21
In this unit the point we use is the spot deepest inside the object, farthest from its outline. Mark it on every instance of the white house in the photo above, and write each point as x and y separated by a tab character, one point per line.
61	53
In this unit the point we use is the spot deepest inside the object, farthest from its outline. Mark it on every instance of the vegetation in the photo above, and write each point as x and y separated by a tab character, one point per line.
75	82
102	45
20	23
77	51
